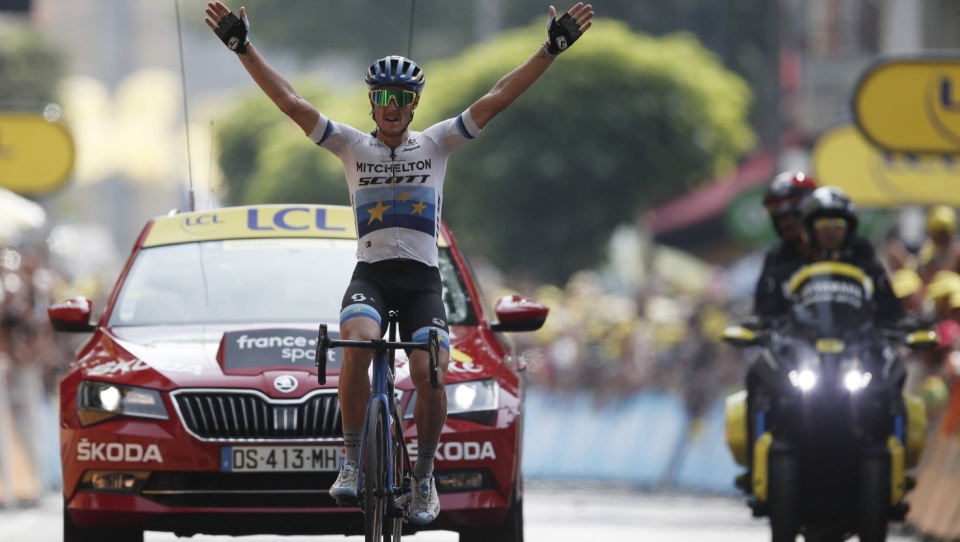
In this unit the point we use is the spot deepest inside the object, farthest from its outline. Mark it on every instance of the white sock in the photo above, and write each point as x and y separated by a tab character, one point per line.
424	464
351	441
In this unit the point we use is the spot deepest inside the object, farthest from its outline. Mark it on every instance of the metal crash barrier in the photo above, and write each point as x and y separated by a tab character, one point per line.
647	439
29	451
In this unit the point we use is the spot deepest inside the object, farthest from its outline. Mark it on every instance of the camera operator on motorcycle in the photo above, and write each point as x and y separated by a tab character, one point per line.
824	428
783	202
815	224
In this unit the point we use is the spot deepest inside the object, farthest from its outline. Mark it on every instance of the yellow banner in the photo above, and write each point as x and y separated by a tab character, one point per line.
254	222
911	105
36	156
876	178
257	222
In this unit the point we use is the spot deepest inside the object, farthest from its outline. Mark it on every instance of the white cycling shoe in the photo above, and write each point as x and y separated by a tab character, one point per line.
425	505
346	485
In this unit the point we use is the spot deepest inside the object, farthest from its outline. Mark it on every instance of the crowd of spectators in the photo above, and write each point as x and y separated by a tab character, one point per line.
928	284
26	338
32	357
615	343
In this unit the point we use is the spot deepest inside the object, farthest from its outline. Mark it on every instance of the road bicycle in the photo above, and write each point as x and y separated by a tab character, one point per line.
385	481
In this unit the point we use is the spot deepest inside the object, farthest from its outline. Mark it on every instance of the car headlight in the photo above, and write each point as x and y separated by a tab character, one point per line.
477	400
99	401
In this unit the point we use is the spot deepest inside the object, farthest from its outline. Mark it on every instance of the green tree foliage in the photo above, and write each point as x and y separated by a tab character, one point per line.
265	158
746	34
622	121
30	68
367	28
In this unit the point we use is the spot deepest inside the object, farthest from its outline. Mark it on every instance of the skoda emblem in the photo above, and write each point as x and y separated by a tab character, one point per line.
285	383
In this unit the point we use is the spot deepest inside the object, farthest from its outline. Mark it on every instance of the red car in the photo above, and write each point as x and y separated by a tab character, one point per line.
194	405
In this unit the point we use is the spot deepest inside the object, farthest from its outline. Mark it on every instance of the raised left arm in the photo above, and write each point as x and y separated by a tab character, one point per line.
560	35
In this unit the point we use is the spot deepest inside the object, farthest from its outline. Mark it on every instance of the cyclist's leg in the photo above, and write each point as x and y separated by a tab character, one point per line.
359	320
363	312
423	313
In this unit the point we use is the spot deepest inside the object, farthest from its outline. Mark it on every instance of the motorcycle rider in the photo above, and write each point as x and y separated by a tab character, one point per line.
816	224
783	202
830	227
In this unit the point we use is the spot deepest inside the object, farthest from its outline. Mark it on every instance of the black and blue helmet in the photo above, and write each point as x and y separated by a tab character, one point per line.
395	71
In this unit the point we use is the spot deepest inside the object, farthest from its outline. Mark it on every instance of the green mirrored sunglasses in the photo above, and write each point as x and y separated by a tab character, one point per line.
383	96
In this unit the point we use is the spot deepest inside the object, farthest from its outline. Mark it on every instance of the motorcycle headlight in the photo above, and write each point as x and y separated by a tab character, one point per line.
805	379
853	376
99	401
477	400
855	379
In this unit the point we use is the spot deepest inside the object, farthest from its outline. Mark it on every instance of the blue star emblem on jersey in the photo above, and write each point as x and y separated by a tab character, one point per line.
410	207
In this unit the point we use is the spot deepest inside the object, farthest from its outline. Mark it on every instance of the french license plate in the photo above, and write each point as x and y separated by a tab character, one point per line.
280	458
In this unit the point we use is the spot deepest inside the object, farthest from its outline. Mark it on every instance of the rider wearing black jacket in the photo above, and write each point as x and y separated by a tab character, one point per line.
830	225
825	229
783	203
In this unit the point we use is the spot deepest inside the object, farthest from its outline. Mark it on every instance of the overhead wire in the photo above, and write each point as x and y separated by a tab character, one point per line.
186	115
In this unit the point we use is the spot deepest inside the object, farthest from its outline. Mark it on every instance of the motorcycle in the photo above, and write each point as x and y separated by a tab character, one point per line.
823	427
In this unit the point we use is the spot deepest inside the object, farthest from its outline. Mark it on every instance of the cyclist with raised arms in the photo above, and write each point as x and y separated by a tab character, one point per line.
395	178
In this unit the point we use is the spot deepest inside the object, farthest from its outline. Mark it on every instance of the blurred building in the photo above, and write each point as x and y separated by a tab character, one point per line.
829	43
123	101
824	47
820	48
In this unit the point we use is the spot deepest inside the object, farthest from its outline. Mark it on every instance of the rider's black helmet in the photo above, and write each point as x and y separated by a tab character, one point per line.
829	201
395	71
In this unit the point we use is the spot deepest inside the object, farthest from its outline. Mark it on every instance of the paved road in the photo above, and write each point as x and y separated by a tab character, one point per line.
554	513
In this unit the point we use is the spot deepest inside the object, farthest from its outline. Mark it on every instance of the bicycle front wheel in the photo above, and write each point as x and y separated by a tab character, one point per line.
401	480
374	481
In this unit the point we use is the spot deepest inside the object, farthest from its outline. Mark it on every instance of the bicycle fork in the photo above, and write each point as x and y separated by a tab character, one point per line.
382	392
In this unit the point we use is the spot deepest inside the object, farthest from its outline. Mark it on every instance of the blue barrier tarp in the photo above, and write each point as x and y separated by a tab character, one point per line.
645	439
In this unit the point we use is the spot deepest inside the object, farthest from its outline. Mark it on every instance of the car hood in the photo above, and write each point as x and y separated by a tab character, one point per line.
177	356
230	356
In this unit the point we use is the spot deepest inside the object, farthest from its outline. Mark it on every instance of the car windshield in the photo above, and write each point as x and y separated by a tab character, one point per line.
253	282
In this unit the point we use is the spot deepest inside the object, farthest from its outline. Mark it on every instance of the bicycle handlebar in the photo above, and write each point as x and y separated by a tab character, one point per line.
324	343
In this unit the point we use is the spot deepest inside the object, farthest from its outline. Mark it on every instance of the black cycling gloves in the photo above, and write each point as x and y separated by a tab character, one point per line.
561	34
232	31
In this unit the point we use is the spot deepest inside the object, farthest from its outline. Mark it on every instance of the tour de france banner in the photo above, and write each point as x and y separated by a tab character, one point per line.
278	347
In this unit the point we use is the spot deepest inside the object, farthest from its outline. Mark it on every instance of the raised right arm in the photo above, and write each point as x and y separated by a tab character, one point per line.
270	81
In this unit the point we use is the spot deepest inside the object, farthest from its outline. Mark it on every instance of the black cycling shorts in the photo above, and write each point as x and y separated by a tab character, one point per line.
411	288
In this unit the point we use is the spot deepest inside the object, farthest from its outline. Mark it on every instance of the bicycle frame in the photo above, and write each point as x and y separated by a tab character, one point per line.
382	391
383	404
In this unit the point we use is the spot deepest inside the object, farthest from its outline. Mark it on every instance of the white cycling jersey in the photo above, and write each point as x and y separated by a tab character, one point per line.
396	195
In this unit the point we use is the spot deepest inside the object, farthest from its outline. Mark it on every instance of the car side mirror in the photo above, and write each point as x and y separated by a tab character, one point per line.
740	336
72	315
924	339
517	313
